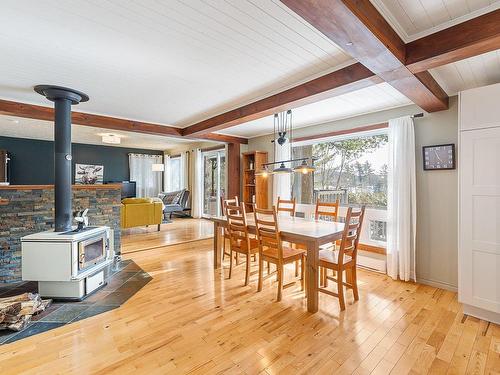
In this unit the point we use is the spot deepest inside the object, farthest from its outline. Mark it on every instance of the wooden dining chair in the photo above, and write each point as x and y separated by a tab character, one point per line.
344	259
223	204
272	250
327	209
240	241
289	206
286	205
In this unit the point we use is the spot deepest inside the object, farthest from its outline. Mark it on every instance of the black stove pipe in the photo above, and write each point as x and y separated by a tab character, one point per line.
63	98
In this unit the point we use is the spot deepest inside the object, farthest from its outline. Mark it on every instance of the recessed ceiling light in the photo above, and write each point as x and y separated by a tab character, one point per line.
348	44
111	139
15	121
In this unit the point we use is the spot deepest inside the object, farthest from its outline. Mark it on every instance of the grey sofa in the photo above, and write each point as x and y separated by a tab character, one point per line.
175	202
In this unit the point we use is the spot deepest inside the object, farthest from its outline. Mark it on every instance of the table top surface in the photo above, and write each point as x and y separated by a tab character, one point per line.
307	228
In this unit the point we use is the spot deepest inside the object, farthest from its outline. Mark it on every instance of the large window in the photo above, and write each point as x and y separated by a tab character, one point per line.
352	169
175	173
214	181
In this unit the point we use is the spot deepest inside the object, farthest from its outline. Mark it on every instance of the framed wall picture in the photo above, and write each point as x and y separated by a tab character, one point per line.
439	157
88	174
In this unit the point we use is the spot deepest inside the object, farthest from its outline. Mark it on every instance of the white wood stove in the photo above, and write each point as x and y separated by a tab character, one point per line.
67	265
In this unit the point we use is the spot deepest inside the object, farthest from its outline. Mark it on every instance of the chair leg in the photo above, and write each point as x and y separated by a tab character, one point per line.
296	268
280	281
261	270
159	226
237	259
247	273
223	245
302	272
355	284
268	268
340	291
230	262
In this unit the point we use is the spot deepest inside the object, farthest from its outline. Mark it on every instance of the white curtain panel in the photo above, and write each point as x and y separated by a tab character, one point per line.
166	175
185	170
197	200
401	200
148	183
282	182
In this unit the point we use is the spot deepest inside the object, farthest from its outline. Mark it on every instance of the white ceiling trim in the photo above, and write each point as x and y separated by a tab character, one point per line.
407	38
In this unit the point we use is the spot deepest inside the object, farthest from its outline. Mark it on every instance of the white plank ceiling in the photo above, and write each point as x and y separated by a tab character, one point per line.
370	99
44	130
169	61
177	62
473	72
413	19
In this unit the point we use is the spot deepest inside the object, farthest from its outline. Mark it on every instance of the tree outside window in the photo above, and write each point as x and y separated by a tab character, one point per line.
353	170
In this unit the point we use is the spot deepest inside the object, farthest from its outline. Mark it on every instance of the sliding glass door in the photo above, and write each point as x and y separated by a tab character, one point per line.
214	181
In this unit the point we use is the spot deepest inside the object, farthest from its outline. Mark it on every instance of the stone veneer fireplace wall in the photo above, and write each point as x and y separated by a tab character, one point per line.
30	209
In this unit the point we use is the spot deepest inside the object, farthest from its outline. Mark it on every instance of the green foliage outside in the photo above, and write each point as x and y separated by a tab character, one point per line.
338	168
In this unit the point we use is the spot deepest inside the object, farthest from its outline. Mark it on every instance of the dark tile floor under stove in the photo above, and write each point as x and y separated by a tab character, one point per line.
124	279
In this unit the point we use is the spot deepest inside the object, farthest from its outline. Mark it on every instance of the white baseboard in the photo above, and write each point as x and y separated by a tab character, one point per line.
438	284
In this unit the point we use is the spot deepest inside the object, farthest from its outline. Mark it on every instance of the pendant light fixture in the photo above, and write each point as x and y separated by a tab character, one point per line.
304	168
283	132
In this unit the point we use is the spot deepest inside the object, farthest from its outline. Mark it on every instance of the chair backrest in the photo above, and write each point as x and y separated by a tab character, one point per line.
237	227
286	205
267	230
328	209
225	202
351	234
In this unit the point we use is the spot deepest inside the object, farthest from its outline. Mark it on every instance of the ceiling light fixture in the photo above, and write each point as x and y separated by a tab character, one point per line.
264	172
304	168
111	139
282	169
282	136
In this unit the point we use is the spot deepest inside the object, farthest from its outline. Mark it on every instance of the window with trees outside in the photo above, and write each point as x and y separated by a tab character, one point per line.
351	169
175	173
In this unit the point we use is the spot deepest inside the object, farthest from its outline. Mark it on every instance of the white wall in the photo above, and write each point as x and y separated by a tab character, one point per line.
437	191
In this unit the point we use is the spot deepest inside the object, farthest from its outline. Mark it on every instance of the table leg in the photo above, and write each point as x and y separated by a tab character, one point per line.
217	246
312	277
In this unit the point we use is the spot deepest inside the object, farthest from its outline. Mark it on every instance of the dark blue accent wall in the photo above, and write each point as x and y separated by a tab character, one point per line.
33	160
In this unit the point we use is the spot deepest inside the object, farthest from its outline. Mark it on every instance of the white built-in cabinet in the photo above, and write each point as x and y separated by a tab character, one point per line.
479	202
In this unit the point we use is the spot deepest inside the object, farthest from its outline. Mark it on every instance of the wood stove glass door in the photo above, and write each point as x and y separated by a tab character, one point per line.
91	252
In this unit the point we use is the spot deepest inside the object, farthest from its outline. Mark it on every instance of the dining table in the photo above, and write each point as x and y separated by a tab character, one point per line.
311	233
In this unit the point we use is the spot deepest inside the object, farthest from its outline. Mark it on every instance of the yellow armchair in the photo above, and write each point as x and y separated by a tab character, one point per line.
137	212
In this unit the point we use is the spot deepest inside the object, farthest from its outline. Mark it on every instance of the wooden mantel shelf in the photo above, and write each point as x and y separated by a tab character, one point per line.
76	187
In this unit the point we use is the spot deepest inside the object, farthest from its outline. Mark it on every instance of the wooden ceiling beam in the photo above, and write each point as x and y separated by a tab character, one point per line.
358	28
470	38
350	78
38	112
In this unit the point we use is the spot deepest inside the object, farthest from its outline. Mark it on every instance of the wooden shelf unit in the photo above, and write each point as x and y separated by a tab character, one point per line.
254	186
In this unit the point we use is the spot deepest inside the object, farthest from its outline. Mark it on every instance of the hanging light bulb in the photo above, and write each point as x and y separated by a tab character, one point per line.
304	168
264	172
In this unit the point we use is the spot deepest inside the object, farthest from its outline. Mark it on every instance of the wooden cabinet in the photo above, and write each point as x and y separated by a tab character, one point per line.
479	205
255	187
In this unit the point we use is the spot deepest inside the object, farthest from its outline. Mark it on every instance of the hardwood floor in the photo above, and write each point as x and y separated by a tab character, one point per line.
191	320
180	230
